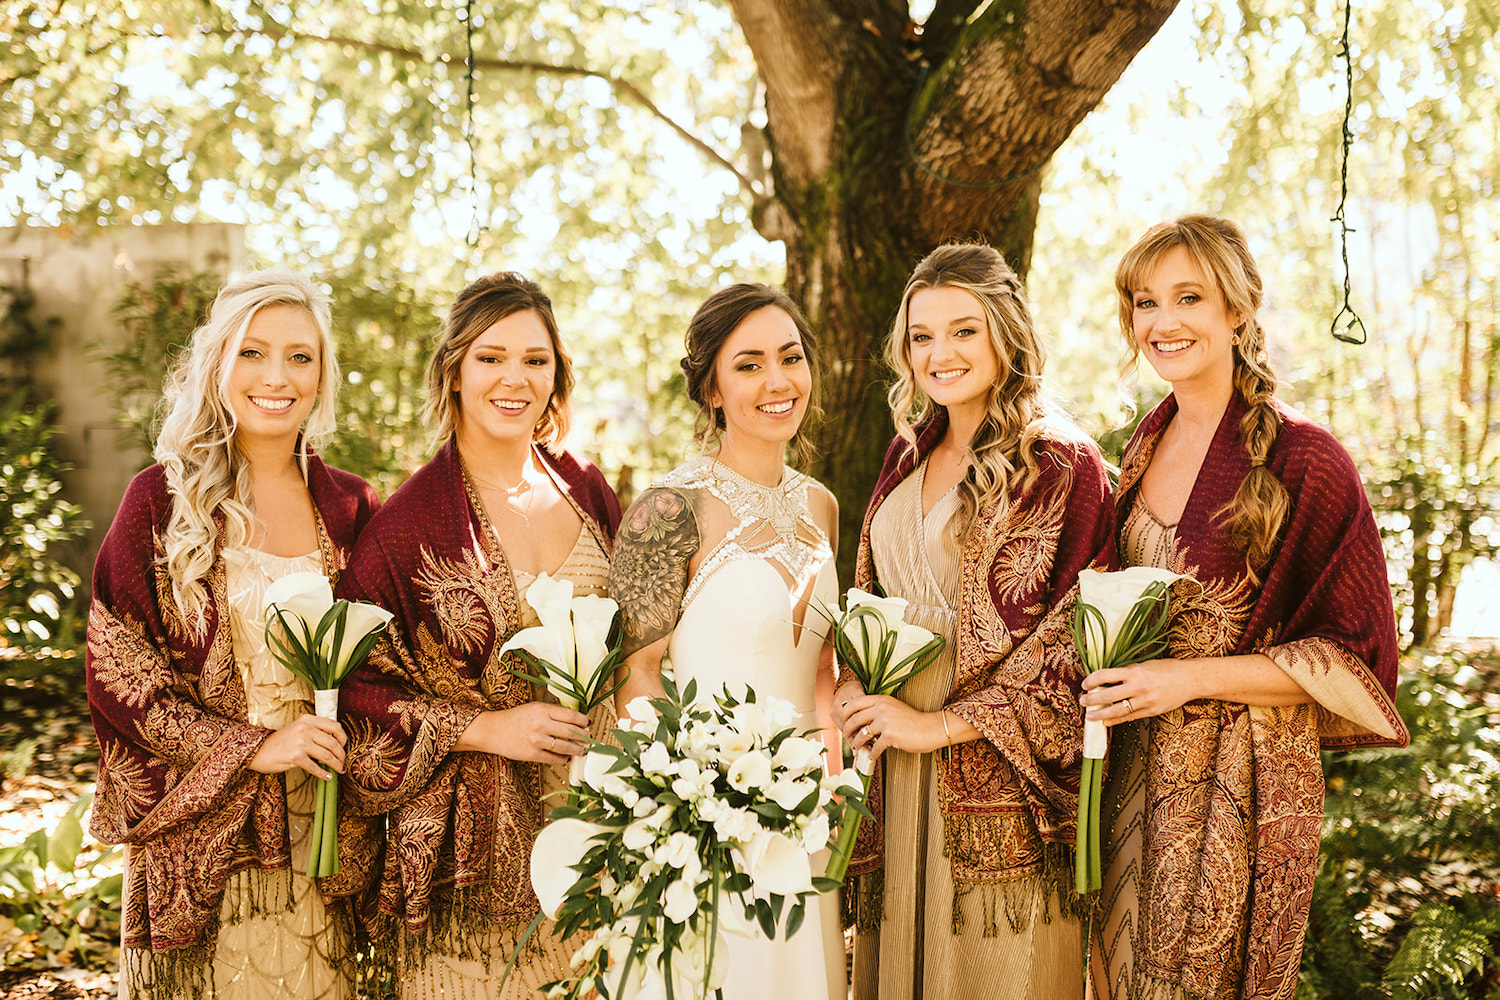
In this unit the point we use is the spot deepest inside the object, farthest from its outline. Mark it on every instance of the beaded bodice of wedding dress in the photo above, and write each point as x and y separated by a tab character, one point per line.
749	620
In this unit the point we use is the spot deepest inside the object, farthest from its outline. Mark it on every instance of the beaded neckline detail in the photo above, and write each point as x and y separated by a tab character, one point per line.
796	543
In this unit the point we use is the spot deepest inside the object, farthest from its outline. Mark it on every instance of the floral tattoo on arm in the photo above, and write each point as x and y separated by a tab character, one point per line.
649	573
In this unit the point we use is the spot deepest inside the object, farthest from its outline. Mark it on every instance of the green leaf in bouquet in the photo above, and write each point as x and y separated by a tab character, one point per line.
765	918
914	663
1143	634
360	653
297	654
794	918
1088	623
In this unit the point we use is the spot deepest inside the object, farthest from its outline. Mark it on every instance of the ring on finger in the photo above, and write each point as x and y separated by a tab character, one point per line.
1126	703
552	747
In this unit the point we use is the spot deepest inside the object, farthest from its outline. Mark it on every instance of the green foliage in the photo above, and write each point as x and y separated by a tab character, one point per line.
36	591
54	898
384	330
1406	899
158	320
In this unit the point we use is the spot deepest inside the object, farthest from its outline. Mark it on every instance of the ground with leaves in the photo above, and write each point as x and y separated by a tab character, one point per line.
59	923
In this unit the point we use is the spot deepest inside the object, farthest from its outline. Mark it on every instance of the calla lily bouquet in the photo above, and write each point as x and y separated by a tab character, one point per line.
883	650
320	640
701	822
576	649
1120	618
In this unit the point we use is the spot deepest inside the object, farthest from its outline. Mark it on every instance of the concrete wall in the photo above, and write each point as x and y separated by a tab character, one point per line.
76	275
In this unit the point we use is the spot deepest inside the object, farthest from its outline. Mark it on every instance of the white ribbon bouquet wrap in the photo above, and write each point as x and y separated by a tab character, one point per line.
874	641
320	640
1120	618
576	649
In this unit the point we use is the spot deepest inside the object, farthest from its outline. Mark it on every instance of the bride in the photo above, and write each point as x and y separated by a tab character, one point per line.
717	564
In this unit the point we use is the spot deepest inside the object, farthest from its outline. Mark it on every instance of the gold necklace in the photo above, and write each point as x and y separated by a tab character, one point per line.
510	494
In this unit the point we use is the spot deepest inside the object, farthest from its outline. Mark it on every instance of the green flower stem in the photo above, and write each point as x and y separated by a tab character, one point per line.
843	848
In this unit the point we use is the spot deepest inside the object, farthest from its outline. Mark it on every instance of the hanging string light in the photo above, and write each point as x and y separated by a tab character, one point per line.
474	224
1353	328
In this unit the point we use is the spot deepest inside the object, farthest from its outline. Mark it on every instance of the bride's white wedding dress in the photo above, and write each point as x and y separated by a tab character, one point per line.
747	622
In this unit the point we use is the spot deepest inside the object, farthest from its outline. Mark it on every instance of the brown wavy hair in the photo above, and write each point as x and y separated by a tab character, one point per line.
1005	450
1254	516
482	304
714	323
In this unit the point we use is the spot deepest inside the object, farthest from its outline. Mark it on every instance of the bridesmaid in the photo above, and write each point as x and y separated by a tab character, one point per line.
990	503
443	737
1215	789
208	746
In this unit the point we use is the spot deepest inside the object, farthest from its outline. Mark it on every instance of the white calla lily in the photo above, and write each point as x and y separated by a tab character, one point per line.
306	595
1113	595
892	609
592	616
777	865
547	644
552	600
559	846
360	619
909	639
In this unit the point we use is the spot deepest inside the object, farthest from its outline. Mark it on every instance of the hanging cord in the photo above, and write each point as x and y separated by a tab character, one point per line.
911	149
474	227
1354	328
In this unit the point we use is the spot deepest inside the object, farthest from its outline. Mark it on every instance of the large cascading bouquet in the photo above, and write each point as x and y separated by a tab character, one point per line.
575	651
874	641
702	822
320	640
1120	618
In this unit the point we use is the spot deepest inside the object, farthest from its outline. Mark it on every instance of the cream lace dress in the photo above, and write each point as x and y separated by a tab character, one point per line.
264	952
914	953
546	956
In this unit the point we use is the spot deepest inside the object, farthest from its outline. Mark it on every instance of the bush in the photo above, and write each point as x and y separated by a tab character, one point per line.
1407	902
36	591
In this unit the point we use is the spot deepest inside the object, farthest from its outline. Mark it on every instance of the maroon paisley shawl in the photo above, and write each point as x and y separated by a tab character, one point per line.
1234	795
1009	800
456	849
169	710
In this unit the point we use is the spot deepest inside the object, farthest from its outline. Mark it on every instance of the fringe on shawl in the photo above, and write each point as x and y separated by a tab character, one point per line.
459	925
862	901
188	971
1013	891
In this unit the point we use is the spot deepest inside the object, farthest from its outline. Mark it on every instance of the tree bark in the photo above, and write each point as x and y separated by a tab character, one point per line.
887	140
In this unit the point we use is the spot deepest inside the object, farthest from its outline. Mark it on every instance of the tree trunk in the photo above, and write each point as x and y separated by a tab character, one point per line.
886	141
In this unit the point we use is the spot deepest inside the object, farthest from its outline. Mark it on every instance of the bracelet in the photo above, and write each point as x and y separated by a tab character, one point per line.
946	735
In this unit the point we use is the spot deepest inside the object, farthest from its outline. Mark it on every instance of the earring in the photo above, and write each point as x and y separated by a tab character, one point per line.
1235	340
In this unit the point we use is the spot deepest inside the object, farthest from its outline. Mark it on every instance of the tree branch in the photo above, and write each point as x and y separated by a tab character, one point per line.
1012	89
797	46
621	86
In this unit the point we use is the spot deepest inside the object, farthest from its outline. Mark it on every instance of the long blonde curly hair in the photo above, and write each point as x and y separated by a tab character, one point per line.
1004	452
206	474
1254	516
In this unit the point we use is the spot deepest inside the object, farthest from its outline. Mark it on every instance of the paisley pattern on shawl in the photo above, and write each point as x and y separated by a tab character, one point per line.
1009	800
1234	794
168	706
453	863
